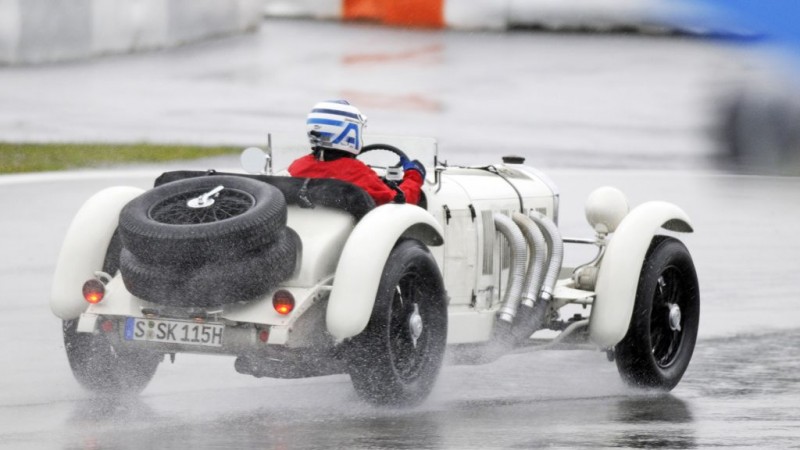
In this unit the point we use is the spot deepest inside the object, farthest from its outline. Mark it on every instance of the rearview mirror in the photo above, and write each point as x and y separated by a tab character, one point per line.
255	160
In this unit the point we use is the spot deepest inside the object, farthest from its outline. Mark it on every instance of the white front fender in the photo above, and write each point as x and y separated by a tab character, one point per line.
84	249
360	267
618	277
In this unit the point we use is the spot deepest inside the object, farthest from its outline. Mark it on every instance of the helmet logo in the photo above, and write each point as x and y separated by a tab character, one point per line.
354	141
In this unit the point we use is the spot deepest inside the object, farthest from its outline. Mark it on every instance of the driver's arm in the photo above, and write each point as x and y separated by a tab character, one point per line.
411	186
367	179
358	173
375	187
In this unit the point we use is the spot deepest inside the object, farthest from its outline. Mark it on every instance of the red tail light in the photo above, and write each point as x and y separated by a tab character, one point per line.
93	291
283	302
107	326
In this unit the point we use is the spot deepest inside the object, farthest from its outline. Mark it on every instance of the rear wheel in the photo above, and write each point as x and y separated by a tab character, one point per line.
661	337
101	367
396	359
95	362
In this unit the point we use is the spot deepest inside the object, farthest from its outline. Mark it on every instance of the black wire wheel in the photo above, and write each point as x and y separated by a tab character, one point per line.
195	220
663	331
396	359
189	208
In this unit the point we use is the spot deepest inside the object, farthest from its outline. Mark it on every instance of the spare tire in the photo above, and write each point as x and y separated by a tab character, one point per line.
249	276
168	225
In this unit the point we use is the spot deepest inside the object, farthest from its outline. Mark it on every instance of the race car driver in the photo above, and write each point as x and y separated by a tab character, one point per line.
334	129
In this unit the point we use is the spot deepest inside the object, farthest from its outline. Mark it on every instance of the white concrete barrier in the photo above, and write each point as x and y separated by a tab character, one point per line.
316	9
9	29
477	14
121	26
35	31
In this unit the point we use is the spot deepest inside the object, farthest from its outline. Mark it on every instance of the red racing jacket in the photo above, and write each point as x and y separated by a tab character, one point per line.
356	172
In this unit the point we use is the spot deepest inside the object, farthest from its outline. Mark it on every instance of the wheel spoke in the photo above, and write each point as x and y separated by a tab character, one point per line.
405	348
673	292
671	349
665	340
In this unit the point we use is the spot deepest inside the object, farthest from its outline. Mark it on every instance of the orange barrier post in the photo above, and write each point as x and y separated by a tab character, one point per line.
415	13
362	9
408	13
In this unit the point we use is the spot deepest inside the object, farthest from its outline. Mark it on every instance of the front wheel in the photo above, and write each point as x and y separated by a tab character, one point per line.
102	368
661	337
396	359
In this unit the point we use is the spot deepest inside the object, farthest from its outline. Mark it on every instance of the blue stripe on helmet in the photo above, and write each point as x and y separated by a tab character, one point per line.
336	112
320	121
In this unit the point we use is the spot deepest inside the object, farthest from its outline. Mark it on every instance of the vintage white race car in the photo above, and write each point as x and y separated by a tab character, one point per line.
306	277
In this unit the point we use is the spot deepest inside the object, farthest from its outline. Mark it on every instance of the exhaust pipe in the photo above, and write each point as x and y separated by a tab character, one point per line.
532	315
519	258
538	258
555	255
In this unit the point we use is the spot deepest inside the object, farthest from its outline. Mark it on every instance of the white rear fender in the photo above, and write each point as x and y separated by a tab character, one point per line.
618	277
360	266
84	249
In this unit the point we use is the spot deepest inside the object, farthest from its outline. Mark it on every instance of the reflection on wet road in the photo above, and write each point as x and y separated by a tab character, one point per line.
724	401
741	389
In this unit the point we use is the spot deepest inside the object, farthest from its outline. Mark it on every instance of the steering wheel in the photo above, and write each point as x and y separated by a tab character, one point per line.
400	155
389	148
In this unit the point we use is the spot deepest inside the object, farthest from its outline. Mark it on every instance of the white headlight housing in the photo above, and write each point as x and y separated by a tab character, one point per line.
605	209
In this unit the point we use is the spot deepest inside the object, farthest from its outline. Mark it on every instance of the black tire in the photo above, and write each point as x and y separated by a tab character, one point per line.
158	227
654	353
96	364
386	366
111	261
102	368
216	283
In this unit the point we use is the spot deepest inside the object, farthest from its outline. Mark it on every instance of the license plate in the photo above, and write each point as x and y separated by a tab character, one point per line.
173	331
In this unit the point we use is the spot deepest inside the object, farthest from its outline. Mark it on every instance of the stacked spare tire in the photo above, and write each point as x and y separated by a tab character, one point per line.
206	241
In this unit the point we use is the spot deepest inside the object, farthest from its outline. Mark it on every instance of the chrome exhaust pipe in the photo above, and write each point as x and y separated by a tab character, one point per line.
519	257
533	314
537	248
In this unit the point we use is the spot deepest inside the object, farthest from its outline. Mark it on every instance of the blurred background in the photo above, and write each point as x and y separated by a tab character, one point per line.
569	83
691	102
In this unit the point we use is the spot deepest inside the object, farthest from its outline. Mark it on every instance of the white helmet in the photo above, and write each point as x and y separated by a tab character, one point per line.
336	124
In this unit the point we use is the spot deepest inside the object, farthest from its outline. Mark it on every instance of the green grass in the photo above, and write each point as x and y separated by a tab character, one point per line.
16	158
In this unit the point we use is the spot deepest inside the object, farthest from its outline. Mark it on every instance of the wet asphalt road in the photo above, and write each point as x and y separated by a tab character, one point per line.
741	389
630	112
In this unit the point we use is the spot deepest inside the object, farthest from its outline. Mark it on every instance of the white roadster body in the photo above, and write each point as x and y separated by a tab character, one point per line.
325	282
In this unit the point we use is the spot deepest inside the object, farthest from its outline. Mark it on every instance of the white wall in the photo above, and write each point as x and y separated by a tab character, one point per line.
36	31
